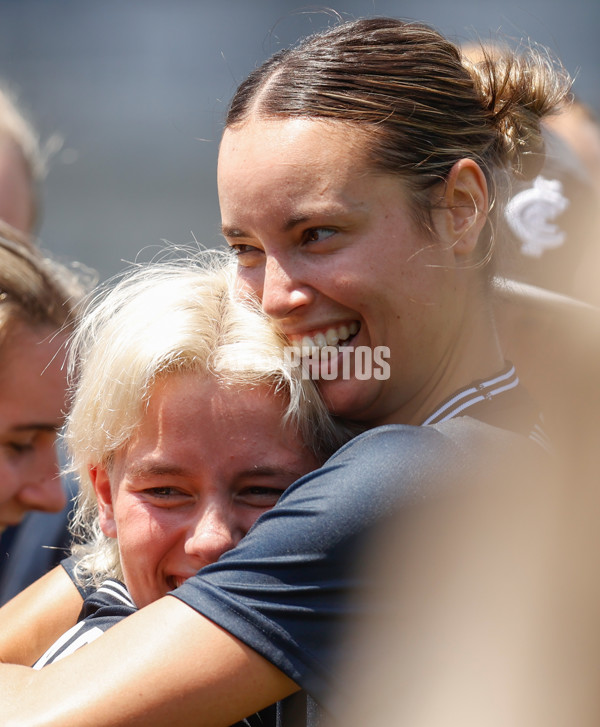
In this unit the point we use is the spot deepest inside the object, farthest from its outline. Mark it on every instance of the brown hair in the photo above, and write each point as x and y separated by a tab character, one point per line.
423	107
34	290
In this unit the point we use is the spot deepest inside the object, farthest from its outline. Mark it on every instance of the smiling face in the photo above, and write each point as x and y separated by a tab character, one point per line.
32	401
203	464
332	249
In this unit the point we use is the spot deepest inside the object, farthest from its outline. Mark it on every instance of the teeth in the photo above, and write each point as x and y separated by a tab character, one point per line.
331	337
320	340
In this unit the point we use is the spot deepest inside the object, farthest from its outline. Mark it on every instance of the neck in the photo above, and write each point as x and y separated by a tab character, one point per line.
475	354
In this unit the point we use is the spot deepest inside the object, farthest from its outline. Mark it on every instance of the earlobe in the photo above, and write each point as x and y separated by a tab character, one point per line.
101	483
466	205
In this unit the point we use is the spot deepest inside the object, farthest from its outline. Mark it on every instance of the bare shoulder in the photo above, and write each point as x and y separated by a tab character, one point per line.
37	616
554	341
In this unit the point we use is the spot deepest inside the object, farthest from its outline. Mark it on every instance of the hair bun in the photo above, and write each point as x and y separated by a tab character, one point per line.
518	89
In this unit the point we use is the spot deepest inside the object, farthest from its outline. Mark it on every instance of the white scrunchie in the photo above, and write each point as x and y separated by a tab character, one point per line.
531	213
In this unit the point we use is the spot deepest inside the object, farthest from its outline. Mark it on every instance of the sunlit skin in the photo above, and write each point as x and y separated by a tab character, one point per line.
32	404
204	463
325	241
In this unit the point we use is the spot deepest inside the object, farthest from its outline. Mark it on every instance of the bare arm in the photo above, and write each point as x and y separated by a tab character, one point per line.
164	665
36	617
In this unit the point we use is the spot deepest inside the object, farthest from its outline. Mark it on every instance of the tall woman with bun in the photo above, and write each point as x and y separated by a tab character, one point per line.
360	175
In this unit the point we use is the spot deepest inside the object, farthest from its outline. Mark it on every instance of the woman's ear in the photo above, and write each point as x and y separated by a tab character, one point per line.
101	483
465	207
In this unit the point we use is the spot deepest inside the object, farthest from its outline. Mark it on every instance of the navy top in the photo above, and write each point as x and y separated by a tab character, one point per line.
291	587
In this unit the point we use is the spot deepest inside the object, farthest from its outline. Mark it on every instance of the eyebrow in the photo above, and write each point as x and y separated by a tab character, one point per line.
266	471
160	470
296	220
156	470
232	232
289	224
37	426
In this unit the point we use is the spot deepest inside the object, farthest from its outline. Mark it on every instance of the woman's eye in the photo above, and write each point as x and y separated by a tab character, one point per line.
162	492
246	256
21	447
261	496
239	249
318	234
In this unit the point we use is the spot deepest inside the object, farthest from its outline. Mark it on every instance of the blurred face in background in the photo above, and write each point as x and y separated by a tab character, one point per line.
32	404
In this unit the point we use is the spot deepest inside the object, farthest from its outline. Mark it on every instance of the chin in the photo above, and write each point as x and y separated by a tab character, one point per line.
350	399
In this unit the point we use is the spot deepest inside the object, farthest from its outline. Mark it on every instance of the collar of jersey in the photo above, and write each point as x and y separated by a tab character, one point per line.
484	389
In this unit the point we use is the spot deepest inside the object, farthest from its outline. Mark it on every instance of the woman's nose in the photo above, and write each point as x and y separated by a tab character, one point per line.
42	487
212	535
282	293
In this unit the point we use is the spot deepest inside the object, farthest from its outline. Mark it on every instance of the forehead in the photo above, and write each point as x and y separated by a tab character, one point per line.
199	424
289	155
32	377
293	138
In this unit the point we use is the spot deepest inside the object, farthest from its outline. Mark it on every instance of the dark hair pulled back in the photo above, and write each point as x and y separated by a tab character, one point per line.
422	104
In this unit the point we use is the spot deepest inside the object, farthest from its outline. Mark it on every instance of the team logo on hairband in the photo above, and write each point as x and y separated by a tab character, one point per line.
531	215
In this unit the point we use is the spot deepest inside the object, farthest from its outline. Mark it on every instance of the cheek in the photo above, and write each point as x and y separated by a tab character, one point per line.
250	280
246	520
145	535
9	481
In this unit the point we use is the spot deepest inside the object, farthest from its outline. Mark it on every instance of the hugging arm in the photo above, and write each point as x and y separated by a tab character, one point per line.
188	671
32	620
283	598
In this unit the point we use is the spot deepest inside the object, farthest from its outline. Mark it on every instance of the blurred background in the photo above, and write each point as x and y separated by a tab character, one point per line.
129	96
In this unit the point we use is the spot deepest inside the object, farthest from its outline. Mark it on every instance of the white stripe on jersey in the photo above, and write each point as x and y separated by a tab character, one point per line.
118	591
474	394
69	641
57	645
486	390
85	638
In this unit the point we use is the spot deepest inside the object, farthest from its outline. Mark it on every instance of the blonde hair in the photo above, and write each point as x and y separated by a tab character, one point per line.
159	320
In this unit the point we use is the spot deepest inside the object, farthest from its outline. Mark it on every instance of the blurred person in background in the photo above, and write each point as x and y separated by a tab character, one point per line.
579	128
33	547
22	167
551	222
38	299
